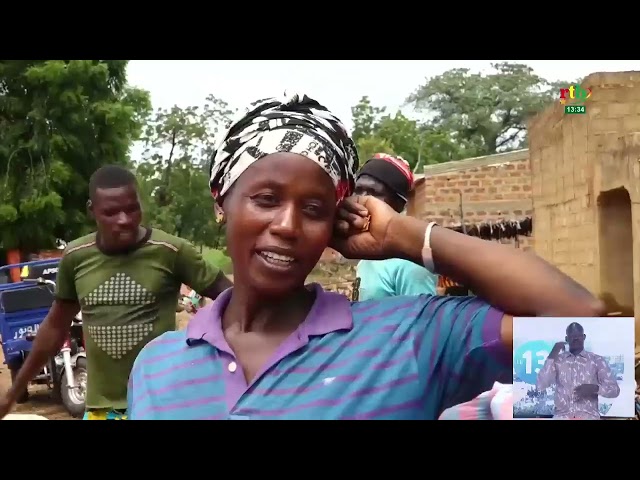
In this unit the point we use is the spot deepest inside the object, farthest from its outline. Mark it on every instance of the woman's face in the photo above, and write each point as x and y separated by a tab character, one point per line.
280	216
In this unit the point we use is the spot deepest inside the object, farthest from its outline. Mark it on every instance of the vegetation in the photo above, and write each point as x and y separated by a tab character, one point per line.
466	115
62	119
59	121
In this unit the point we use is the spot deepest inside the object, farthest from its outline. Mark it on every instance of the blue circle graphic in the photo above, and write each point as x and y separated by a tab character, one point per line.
529	358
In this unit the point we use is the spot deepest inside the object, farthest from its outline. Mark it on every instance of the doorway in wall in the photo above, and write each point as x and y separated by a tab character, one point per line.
616	251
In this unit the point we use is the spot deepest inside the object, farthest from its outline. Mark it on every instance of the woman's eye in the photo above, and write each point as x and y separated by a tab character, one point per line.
313	209
265	199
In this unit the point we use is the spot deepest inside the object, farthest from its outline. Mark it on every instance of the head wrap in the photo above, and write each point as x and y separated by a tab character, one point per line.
393	171
295	124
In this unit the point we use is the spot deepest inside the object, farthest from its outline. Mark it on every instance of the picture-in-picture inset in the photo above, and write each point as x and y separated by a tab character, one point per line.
573	368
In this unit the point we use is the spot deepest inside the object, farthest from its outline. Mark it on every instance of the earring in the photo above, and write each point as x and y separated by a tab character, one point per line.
220	216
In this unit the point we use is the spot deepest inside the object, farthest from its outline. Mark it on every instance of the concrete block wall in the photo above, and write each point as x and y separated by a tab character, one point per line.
583	166
492	187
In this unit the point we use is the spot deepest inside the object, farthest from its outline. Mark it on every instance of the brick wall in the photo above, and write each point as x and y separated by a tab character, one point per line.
586	188
492	187
335	274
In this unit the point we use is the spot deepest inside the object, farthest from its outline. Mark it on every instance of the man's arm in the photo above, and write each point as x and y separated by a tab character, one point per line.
548	374
460	347
607	382
194	271
53	330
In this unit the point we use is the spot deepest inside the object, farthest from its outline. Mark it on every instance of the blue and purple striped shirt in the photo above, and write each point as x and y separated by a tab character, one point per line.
396	358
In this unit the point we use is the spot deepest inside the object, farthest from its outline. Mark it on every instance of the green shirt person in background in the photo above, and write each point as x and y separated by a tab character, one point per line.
390	179
126	279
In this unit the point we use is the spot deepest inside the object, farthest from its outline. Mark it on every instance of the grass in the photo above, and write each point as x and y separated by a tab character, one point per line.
218	258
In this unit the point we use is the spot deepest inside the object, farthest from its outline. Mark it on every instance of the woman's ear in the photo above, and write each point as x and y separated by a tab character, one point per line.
90	209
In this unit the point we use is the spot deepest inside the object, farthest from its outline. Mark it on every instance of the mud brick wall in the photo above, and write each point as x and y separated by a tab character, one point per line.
586	188
492	187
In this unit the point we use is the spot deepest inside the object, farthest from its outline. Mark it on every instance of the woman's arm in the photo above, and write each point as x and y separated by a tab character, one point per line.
513	281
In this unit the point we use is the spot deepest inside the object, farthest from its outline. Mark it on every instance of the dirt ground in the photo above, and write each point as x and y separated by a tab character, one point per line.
40	399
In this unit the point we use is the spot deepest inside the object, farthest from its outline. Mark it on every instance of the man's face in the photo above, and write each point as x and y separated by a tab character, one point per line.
118	214
366	185
575	338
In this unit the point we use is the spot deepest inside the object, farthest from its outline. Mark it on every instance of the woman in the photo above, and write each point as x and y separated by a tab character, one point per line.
273	348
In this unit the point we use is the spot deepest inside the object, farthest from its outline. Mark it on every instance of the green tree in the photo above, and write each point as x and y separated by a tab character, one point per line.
365	117
173	171
59	121
485	113
375	131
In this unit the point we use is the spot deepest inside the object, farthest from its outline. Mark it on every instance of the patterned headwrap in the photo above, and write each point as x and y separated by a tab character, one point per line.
295	124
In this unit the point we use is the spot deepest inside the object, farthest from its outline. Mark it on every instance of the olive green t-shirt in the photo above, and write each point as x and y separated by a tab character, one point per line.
127	300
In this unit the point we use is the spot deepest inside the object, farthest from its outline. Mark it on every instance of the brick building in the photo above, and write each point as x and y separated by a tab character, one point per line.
586	189
490	188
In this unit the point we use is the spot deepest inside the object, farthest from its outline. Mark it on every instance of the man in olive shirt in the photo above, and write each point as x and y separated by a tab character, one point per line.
126	278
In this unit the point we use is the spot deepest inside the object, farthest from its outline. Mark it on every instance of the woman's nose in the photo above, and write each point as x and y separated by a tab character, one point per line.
286	223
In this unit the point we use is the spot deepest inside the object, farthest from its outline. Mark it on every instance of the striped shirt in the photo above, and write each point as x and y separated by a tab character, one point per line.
396	358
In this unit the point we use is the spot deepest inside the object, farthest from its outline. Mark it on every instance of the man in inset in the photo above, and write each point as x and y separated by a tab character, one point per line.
579	377
126	278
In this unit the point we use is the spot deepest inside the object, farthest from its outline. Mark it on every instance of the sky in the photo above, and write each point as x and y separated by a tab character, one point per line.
337	84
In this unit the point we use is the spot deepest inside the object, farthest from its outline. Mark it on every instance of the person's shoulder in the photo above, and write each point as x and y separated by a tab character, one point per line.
163	347
84	244
166	240
364	265
168	341
400	264
162	236
423	308
595	356
396	310
386	263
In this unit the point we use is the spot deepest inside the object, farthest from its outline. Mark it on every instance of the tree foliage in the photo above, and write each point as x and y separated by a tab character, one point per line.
485	113
173	171
466	114
376	131
60	120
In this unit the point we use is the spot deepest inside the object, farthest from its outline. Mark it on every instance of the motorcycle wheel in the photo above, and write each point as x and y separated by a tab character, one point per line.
74	399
